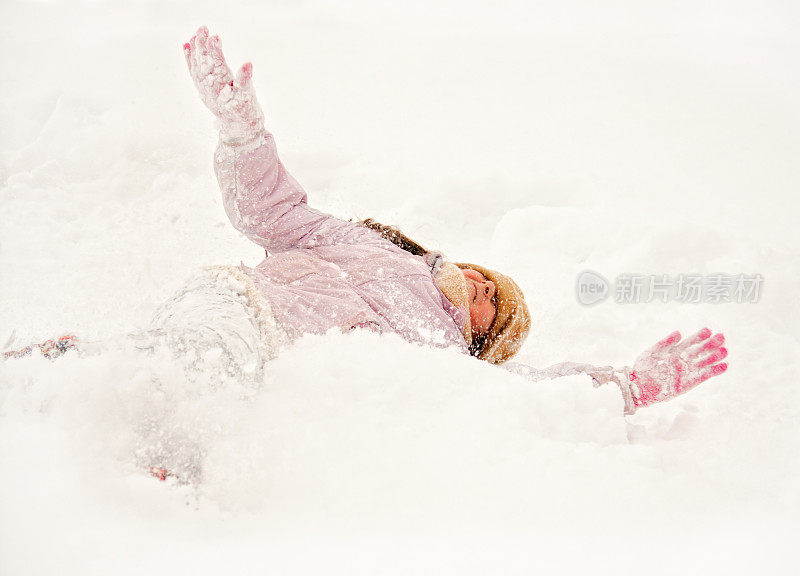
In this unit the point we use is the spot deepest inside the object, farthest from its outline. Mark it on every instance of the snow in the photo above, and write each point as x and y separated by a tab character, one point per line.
541	140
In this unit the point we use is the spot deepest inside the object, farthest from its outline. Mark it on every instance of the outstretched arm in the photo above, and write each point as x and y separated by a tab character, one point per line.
668	369
261	198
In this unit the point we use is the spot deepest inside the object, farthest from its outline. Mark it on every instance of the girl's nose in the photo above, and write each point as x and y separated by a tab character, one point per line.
488	290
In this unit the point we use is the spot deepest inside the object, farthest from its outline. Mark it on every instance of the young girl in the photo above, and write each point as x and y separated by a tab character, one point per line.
322	272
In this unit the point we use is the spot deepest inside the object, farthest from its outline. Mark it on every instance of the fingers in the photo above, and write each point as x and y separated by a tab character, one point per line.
201	38
207	65
201	53
192	55
244	81
244	75
712	344
214	46
187	53
198	49
231	99
667	342
696	338
713	358
709	346
197	46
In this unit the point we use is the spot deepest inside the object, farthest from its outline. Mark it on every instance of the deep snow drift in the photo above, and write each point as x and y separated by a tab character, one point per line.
621	140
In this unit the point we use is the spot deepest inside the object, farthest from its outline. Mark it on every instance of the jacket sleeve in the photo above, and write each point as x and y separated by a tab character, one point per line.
599	375
264	201
554	371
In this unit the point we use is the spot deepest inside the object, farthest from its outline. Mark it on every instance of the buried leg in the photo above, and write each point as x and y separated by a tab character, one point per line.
50	349
170	387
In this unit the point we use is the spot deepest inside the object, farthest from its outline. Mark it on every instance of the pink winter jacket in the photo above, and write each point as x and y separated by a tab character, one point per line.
322	272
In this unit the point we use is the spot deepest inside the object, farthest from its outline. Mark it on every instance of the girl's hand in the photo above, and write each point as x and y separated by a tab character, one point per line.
231	100
673	367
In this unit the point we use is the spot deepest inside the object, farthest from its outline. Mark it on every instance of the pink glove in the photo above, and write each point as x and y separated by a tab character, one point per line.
232	101
673	367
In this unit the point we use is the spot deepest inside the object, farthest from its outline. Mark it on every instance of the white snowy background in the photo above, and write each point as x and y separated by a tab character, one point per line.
639	137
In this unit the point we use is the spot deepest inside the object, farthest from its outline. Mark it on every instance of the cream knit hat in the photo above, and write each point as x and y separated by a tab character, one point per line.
512	321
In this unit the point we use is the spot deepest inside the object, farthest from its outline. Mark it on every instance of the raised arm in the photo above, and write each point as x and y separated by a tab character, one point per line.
262	200
668	369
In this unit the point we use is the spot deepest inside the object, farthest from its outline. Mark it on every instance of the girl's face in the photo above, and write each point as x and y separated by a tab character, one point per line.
481	298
